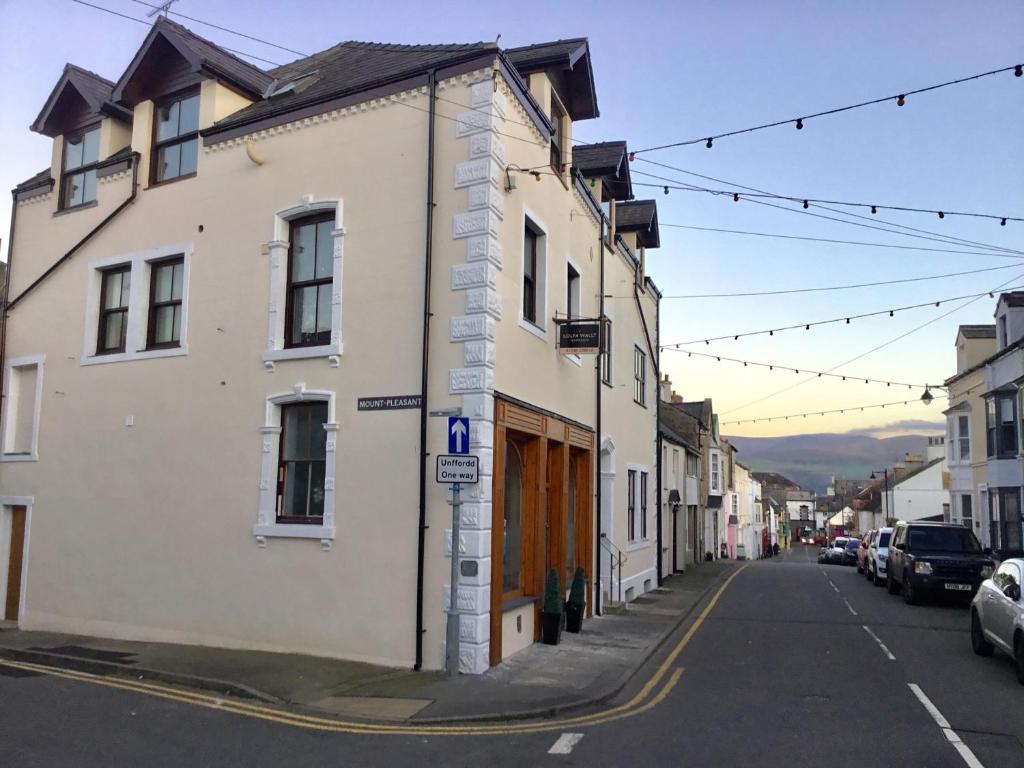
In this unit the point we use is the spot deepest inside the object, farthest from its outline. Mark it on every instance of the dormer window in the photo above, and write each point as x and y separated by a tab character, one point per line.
78	179
557	135
175	137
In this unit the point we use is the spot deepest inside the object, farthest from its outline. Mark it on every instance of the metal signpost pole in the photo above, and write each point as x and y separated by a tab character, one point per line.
452	656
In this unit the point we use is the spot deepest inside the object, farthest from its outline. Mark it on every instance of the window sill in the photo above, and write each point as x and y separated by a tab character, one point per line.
19	457
75	208
165	182
302	353
294	531
142	354
633	546
536	330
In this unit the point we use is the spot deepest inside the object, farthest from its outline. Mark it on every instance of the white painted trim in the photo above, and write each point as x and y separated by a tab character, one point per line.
640	469
26	361
540	328
277	249
266	516
138	305
27	502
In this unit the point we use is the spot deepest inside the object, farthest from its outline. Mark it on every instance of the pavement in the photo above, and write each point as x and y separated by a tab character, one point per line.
584	670
789	663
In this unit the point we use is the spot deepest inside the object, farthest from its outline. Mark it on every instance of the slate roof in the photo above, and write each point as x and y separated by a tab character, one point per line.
1013	298
679	427
701	411
917	471
640	216
94	89
775	479
603	157
530	58
34	181
352	67
978	331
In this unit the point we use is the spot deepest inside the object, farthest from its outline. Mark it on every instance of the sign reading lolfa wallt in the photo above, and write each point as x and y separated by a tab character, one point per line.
582	338
389	402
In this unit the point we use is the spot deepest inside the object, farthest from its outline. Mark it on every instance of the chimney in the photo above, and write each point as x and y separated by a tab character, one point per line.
667	392
936	447
676	397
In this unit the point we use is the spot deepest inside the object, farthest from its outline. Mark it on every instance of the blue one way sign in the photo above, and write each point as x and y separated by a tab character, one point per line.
458	434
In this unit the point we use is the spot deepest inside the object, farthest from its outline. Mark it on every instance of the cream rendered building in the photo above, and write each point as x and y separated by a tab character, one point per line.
965	429
236	296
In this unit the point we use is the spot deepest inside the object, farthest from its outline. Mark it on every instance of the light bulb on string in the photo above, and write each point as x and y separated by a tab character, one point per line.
666	190
800	124
1017	71
736	197
1002	222
900	100
874	209
632	156
942	215
805	203
708	145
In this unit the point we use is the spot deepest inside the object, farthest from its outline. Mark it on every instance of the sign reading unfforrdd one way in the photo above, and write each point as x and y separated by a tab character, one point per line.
458	469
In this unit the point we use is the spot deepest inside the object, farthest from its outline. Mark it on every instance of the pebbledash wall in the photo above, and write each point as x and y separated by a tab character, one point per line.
150	494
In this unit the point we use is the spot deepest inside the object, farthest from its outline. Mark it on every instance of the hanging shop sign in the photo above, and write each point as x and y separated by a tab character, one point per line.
582	338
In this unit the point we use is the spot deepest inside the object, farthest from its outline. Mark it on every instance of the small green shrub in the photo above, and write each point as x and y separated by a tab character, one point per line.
578	591
552	594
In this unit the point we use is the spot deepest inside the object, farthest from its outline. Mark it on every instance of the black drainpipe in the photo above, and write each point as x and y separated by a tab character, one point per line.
657	443
427	255
597	452
7	307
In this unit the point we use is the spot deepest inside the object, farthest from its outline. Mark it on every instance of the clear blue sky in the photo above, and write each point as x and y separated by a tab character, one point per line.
669	71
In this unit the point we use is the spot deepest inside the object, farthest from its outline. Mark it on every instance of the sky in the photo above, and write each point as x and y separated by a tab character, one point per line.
668	72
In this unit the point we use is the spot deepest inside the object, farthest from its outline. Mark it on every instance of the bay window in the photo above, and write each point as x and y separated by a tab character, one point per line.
1001	423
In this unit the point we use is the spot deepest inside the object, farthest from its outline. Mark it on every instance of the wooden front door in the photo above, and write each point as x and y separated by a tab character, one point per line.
14	561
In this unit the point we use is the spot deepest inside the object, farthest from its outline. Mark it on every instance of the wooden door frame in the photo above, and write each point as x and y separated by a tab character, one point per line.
9	505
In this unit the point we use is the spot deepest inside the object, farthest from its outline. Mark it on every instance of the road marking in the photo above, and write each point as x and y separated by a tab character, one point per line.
849	606
943	723
565	743
878	640
833	586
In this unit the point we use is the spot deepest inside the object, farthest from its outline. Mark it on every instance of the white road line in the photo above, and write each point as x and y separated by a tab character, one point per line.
878	640
943	723
849	606
565	743
833	586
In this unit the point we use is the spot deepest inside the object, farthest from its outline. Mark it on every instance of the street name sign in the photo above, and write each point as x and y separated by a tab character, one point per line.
458	469
458	434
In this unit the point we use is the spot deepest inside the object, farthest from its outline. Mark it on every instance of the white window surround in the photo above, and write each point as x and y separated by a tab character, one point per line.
278	301
610	325
270	446
638	543
715	487
138	305
540	328
578	300
38	361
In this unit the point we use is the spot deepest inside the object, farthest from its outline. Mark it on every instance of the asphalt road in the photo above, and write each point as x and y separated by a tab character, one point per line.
780	671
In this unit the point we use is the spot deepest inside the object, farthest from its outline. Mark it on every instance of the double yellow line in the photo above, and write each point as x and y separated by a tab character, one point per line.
642	702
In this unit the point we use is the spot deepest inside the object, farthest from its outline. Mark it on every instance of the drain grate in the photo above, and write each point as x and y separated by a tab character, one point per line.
96	654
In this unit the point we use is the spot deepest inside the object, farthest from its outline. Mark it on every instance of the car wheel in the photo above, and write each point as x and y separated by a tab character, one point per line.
1018	657
876	578
909	593
979	644
891	585
860	568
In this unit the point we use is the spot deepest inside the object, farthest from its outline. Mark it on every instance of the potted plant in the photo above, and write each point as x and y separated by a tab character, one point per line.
551	615
576	603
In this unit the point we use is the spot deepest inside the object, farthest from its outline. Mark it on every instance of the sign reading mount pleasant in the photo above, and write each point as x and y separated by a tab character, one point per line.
388	402
458	469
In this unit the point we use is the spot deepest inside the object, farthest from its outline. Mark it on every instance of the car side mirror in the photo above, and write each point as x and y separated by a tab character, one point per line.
1012	591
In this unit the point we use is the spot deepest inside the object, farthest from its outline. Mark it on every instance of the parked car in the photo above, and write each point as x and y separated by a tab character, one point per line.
878	556
929	557
834	552
862	552
997	614
850	552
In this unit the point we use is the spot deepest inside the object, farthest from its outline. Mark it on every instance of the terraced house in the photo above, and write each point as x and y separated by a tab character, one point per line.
237	296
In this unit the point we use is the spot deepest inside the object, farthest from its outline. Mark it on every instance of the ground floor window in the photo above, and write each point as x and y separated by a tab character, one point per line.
512	538
1006	522
302	463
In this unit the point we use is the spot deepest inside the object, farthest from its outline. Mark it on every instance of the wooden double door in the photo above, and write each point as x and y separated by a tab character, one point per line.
542	509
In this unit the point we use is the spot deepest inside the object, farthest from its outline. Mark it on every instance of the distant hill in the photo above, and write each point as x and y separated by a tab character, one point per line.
811	460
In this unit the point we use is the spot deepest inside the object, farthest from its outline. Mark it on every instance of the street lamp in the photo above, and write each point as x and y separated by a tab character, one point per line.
885	492
927	397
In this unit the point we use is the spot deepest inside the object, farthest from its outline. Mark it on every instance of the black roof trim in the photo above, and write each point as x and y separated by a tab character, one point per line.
93	89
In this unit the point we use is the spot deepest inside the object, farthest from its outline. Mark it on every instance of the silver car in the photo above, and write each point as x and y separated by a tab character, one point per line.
997	614
878	556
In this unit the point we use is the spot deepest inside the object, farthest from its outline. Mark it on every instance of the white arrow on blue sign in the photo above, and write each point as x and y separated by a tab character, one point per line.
458	434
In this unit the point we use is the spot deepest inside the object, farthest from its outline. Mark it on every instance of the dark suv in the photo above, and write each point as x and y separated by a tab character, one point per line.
933	557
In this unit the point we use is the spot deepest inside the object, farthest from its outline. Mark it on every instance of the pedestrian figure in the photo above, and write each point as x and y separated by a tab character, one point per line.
775	548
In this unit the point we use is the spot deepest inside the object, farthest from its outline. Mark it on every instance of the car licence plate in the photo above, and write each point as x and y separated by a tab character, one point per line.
959	587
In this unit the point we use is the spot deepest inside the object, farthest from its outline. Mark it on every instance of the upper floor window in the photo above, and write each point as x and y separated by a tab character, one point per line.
78	179
165	292
113	328
302	463
691	464
530	264
572	292
675	464
557	135
714	473
963	438
1001	418
606	352
639	376
310	281
175	137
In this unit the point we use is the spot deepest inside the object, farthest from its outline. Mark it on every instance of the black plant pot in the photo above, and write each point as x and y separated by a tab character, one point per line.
573	617
550	628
